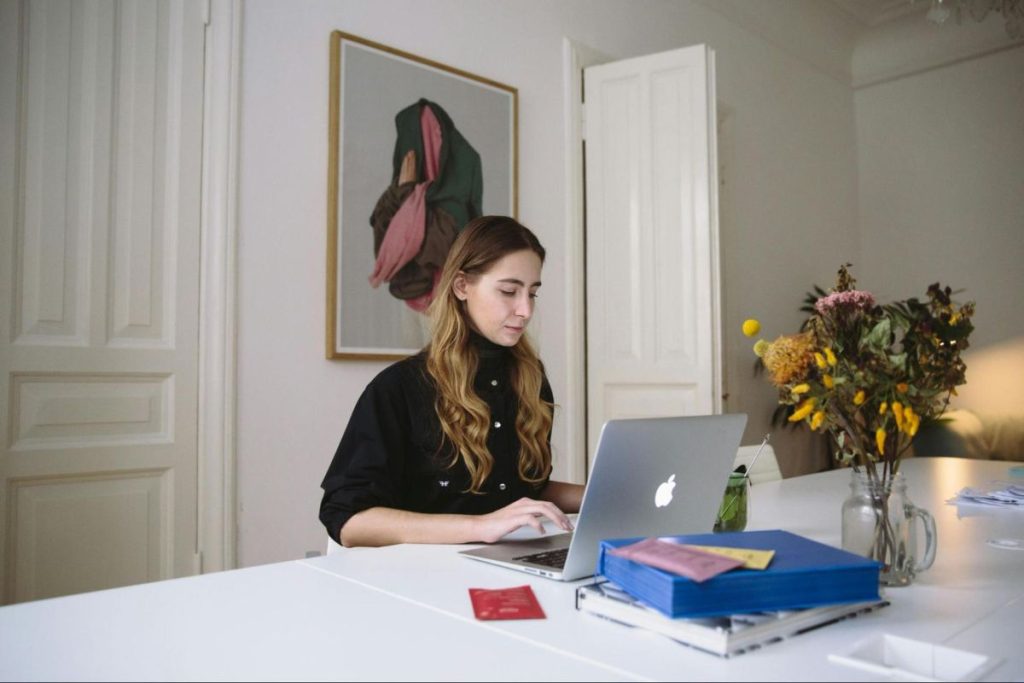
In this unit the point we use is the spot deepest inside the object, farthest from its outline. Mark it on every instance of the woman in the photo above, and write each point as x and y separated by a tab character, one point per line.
452	445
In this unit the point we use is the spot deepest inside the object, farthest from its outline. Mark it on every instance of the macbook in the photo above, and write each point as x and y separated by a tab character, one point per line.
651	477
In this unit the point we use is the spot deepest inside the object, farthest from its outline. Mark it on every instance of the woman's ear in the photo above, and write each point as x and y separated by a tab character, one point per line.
459	285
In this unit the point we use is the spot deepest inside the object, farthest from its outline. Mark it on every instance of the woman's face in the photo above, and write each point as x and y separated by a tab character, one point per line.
500	302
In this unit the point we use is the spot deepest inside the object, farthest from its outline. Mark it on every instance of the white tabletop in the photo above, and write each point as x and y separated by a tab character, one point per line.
403	612
275	622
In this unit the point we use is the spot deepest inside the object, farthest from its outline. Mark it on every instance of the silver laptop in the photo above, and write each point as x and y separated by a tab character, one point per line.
651	477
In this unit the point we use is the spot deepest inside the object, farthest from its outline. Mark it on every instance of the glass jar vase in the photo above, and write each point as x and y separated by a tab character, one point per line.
878	522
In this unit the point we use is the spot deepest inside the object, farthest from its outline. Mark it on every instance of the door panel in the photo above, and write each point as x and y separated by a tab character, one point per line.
98	363
651	235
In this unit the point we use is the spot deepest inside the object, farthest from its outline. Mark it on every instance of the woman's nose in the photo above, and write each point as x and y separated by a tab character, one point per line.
524	306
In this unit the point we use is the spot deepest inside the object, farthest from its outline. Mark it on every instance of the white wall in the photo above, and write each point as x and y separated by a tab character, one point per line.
941	165
788	207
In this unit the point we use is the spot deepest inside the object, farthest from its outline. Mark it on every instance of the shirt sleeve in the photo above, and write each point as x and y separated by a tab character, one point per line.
367	467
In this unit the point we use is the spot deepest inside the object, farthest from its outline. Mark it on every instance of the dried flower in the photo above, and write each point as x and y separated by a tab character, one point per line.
869	374
788	358
852	299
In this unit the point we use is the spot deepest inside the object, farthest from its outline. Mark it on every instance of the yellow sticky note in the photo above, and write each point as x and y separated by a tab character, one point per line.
752	559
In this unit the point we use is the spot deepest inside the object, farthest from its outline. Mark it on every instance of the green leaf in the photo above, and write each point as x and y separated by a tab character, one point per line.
878	337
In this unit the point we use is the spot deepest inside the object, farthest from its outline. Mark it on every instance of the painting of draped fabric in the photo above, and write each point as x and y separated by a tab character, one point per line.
416	150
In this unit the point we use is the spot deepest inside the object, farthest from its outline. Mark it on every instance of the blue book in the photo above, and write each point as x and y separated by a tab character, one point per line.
803	573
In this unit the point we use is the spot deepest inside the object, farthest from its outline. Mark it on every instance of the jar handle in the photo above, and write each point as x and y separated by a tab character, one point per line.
931	538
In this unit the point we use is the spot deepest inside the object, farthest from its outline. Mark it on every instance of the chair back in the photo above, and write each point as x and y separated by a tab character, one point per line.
335	547
765	469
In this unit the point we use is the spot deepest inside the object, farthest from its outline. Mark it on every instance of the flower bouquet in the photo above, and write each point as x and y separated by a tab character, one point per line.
868	375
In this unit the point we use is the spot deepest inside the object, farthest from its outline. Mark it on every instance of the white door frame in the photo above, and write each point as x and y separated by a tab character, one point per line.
216	542
575	57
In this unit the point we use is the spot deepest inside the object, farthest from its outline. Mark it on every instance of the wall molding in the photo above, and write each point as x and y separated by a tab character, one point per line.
913	45
217	535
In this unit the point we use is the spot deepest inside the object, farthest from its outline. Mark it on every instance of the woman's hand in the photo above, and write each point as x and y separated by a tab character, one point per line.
524	512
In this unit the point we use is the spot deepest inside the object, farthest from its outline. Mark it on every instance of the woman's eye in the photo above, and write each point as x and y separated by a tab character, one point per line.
508	292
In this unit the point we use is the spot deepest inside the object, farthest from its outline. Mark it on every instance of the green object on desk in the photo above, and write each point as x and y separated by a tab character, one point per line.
732	513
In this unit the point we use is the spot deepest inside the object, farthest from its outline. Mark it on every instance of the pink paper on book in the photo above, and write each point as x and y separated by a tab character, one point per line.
693	564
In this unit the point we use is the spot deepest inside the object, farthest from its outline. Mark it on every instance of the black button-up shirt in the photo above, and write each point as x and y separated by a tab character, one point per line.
391	454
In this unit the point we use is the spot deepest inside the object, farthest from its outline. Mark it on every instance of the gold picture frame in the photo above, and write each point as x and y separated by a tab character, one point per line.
371	87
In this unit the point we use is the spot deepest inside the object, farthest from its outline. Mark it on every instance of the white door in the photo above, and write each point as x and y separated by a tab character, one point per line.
100	172
652	275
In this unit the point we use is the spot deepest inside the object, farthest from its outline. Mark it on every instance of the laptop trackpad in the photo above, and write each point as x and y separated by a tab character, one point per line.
537	544
508	550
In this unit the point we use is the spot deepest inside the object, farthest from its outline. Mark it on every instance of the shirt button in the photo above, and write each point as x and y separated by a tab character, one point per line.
497	425
502	486
494	382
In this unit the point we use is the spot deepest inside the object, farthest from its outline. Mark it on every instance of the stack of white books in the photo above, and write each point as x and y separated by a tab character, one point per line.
725	636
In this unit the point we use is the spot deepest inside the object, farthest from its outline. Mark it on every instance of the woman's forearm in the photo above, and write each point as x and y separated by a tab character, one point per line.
387	526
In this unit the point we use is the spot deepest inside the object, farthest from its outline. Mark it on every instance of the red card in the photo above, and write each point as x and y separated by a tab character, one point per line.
506	603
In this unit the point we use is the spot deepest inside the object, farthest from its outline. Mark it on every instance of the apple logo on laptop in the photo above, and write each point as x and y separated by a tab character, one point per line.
663	496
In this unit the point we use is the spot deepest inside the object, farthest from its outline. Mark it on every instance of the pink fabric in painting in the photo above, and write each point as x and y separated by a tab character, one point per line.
404	236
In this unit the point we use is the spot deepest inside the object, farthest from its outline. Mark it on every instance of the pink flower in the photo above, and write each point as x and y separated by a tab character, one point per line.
853	298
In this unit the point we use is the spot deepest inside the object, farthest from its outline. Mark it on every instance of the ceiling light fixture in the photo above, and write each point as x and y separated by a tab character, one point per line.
1012	11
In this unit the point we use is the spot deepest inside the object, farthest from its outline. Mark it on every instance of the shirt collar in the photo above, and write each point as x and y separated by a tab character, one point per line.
486	349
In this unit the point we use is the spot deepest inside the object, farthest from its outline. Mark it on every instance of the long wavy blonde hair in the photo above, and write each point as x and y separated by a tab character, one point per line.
452	360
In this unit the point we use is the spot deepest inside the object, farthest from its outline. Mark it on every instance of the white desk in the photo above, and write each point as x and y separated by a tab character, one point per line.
403	612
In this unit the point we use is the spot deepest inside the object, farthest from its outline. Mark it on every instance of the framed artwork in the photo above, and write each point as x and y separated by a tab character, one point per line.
416	150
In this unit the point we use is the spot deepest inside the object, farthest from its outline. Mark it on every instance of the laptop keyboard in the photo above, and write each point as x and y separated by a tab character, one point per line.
548	558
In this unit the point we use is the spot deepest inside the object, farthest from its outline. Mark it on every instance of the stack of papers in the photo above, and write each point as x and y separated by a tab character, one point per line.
1009	496
721	635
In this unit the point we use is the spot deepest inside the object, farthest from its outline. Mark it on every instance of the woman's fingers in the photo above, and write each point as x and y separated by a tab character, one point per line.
542	508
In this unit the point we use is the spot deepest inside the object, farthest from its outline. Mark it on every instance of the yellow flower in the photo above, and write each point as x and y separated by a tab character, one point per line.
911	421
897	411
828	381
858	398
915	424
880	440
803	411
817	419
751	327
788	358
883	409
820	360
902	387
831	357
801	388
760	347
